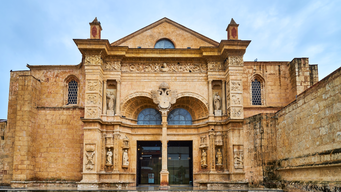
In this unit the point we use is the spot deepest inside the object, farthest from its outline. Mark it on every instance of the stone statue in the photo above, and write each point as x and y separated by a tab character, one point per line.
109	157
219	157
111	100
217	101
203	158
125	161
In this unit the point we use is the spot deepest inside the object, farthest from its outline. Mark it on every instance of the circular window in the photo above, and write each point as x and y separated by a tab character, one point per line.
164	44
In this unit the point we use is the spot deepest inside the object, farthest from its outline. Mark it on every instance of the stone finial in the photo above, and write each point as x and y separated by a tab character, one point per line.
95	29
232	30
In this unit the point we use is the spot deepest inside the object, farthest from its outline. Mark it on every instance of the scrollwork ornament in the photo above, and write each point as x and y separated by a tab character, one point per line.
92	112
236	112
236	86
91	99
164	67
112	66
93	60
236	60
92	85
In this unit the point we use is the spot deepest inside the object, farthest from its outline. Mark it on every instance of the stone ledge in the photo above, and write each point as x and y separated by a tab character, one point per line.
309	167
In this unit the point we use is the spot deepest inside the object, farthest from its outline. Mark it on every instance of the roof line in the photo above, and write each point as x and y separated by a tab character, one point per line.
158	22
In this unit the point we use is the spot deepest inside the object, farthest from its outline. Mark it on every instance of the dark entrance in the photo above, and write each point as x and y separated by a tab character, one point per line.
180	162
148	162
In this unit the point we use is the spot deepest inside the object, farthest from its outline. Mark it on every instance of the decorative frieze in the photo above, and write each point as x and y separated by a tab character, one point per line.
164	67
112	66
93	60
236	60
215	66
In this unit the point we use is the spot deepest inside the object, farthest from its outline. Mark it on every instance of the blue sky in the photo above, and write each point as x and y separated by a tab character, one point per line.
41	32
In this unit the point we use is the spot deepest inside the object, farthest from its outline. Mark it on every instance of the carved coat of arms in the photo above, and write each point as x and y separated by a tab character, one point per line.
164	97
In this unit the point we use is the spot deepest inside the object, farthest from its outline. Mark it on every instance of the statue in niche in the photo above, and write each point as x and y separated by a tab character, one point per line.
219	157
111	100
217	101
109	157
125	160
203	158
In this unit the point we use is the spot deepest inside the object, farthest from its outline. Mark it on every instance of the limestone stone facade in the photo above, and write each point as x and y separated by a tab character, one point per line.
86	123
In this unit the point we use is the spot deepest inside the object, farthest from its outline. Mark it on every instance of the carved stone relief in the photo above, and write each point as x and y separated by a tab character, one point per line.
92	99
164	67
164	97
236	86
112	66
125	159
236	112
217	101
91	112
238	157
92	85
236	60
109	157
89	154
215	66
203	142
236	99
93	60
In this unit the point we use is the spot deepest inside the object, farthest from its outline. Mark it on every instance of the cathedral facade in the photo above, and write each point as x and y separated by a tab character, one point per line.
166	105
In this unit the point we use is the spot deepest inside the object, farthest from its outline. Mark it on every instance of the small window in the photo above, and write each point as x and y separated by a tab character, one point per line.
179	116
164	44
72	92
256	92
149	116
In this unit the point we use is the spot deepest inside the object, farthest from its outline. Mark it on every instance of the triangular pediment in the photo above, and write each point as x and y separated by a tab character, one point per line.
181	36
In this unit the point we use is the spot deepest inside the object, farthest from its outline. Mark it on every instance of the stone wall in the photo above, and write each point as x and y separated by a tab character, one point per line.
309	133
260	148
3	150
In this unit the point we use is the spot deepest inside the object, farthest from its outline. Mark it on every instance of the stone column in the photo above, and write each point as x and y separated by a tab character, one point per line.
118	97
212	149
210	98
164	171
223	96
116	151
104	97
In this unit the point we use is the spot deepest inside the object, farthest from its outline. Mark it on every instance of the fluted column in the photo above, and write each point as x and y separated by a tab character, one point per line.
210	96
118	97
104	97
223	96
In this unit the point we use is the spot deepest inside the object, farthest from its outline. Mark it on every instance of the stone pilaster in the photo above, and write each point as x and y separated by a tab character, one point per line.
212	149
118	97
210	98
93	90
235	88
104	98
223	83
117	151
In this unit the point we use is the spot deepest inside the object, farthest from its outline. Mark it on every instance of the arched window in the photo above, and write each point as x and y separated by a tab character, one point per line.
149	116
179	116
72	92
164	44
256	89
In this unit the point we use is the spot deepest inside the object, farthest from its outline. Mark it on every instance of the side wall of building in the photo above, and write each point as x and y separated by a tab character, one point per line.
260	148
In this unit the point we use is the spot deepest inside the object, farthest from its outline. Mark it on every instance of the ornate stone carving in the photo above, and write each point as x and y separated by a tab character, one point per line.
236	99
125	142
237	112
236	60
109	157
125	159
215	66
91	99
203	143
164	67
238	157
219	157
92	85
93	60
164	97
89	154
112	66
91	112
203	158
236	86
